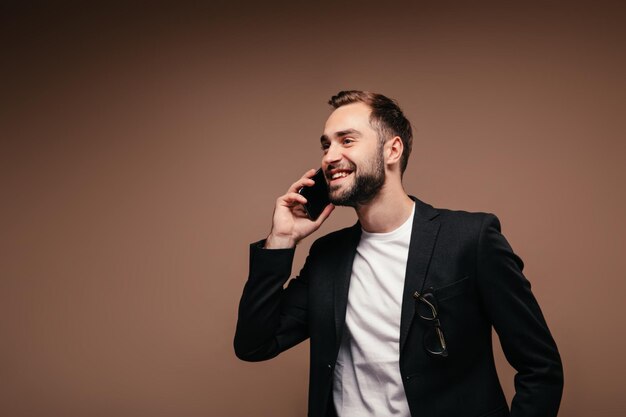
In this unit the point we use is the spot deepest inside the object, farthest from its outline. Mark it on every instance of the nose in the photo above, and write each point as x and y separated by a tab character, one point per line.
332	155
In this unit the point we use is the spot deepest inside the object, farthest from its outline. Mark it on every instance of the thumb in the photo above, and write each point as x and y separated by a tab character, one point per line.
324	215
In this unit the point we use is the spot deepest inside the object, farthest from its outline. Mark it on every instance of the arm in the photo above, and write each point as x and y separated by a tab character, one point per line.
273	319
521	327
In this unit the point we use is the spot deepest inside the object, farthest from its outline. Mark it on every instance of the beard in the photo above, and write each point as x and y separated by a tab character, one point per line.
365	187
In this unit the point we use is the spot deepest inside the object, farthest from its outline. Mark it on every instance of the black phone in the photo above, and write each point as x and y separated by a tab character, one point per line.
316	195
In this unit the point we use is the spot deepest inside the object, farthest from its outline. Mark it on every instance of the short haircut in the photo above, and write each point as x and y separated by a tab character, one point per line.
387	118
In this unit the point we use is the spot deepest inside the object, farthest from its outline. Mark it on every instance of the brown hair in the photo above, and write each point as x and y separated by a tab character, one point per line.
386	118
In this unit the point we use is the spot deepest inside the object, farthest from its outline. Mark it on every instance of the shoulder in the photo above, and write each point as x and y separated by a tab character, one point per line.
452	216
463	217
458	223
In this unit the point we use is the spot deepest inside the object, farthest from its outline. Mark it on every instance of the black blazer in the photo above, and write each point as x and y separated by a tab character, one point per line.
478	283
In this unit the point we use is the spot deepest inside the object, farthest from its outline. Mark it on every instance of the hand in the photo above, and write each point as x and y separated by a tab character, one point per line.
290	224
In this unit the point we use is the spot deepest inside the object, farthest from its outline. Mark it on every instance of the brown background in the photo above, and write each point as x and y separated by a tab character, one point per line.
143	147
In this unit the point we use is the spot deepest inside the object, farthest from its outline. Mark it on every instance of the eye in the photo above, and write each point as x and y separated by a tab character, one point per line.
348	141
325	147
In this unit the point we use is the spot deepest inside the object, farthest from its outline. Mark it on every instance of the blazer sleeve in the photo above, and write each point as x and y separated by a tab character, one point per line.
521	327
271	318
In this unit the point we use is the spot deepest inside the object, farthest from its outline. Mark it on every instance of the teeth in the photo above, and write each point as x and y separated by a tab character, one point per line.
339	175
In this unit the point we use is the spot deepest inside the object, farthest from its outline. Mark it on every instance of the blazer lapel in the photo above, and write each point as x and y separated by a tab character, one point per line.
345	257
423	237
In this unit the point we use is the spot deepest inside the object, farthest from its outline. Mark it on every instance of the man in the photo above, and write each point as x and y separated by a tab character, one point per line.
399	307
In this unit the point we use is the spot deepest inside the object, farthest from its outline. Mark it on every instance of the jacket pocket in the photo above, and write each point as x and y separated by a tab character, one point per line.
453	289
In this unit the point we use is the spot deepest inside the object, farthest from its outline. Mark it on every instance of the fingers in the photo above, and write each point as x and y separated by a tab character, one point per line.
324	215
300	211
292	199
310	173
304	181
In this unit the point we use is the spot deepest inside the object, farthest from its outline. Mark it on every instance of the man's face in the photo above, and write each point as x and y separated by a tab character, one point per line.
353	156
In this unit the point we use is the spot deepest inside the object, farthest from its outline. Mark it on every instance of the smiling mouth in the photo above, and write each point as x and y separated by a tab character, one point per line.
337	174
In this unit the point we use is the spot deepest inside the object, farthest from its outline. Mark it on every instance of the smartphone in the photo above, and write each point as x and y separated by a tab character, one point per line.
316	195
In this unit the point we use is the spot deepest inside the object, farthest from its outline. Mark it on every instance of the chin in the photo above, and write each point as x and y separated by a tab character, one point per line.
342	199
339	192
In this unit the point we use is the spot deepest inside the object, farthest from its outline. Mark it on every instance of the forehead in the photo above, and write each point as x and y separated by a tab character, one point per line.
351	116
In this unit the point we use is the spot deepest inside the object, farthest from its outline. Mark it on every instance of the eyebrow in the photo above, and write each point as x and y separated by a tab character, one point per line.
341	133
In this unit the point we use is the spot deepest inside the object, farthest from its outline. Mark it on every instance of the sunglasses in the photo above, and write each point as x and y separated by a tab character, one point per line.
426	309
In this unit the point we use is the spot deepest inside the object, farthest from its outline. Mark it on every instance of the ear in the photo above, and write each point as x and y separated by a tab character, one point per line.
393	150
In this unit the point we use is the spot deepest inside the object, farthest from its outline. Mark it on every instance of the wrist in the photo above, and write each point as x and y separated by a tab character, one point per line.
279	242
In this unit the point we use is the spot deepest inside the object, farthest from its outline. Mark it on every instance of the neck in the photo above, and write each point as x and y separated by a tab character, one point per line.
387	211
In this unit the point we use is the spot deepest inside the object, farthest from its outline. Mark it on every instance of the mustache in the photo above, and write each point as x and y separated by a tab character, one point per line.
347	166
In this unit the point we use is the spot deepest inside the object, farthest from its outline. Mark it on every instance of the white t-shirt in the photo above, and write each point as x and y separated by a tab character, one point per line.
367	379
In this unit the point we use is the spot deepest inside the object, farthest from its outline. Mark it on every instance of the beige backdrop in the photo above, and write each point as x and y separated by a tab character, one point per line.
143	148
